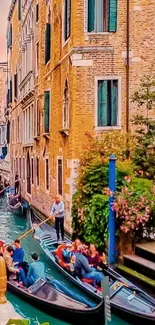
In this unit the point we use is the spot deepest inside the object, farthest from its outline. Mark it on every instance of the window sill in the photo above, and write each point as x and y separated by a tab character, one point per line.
64	132
37	138
46	135
65	42
106	128
97	33
28	194
47	63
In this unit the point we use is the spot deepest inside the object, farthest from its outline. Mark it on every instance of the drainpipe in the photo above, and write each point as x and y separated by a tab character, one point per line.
127	74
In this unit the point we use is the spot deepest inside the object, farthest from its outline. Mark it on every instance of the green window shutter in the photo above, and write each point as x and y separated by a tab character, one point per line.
15	85
102	103
114	102
91	15
19	9
67	19
46	111
68	14
112	16
11	35
10	91
47	43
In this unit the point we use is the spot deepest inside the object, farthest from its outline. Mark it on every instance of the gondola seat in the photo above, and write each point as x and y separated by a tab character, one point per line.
59	256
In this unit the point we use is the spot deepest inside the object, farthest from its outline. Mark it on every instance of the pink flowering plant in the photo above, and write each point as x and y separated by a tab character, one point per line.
133	205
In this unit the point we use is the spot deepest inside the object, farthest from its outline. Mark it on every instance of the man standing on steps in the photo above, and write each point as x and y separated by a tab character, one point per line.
58	211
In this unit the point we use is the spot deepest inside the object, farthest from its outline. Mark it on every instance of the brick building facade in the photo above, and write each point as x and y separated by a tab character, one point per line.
84	60
3	90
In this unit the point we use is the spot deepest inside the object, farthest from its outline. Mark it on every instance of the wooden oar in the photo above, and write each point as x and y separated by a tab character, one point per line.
4	189
30	230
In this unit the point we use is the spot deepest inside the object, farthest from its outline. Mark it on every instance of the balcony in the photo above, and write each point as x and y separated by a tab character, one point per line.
27	87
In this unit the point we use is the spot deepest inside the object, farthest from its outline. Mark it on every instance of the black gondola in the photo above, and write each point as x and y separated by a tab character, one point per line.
16	209
127	300
45	297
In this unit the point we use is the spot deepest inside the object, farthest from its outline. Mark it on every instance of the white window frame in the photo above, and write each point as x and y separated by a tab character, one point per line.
23	169
60	158
37	61
37	186
18	129
64	42
86	22
111	77
47	158
32	183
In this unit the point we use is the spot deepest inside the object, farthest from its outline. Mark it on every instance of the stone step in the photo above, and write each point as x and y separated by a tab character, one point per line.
146	251
140	264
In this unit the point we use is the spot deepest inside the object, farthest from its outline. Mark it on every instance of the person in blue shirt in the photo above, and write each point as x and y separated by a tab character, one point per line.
58	211
36	271
83	269
18	255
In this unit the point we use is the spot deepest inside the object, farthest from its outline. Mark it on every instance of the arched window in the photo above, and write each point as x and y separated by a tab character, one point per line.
66	106
28	167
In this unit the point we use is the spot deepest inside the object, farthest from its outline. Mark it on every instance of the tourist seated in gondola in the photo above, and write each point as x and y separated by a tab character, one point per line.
83	269
1	247
12	271
93	256
14	199
36	271
18	255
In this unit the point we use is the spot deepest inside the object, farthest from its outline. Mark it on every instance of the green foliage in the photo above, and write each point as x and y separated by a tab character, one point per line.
95	221
144	160
90	204
146	94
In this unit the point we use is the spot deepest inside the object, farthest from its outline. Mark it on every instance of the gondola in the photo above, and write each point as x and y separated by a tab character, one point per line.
45	297
16	209
127	300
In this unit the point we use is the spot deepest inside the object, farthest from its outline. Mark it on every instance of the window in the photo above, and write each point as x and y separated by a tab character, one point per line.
37	58
23	168
66	106
37	12
20	166
32	174
19	9
67	18
46	111
38	171
101	16
38	117
47	173
10	36
17	165
10	99
13	130
60	173
18	128
15	86
108	99
47	42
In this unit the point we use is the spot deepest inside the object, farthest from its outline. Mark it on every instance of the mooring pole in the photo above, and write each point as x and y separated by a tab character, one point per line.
111	221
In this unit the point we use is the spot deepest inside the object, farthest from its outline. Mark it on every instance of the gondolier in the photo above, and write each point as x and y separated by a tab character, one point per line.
58	211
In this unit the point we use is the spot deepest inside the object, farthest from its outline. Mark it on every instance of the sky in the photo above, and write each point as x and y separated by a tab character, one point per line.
4	8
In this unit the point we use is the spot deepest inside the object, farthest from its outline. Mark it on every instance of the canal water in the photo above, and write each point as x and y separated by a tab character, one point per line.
11	226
